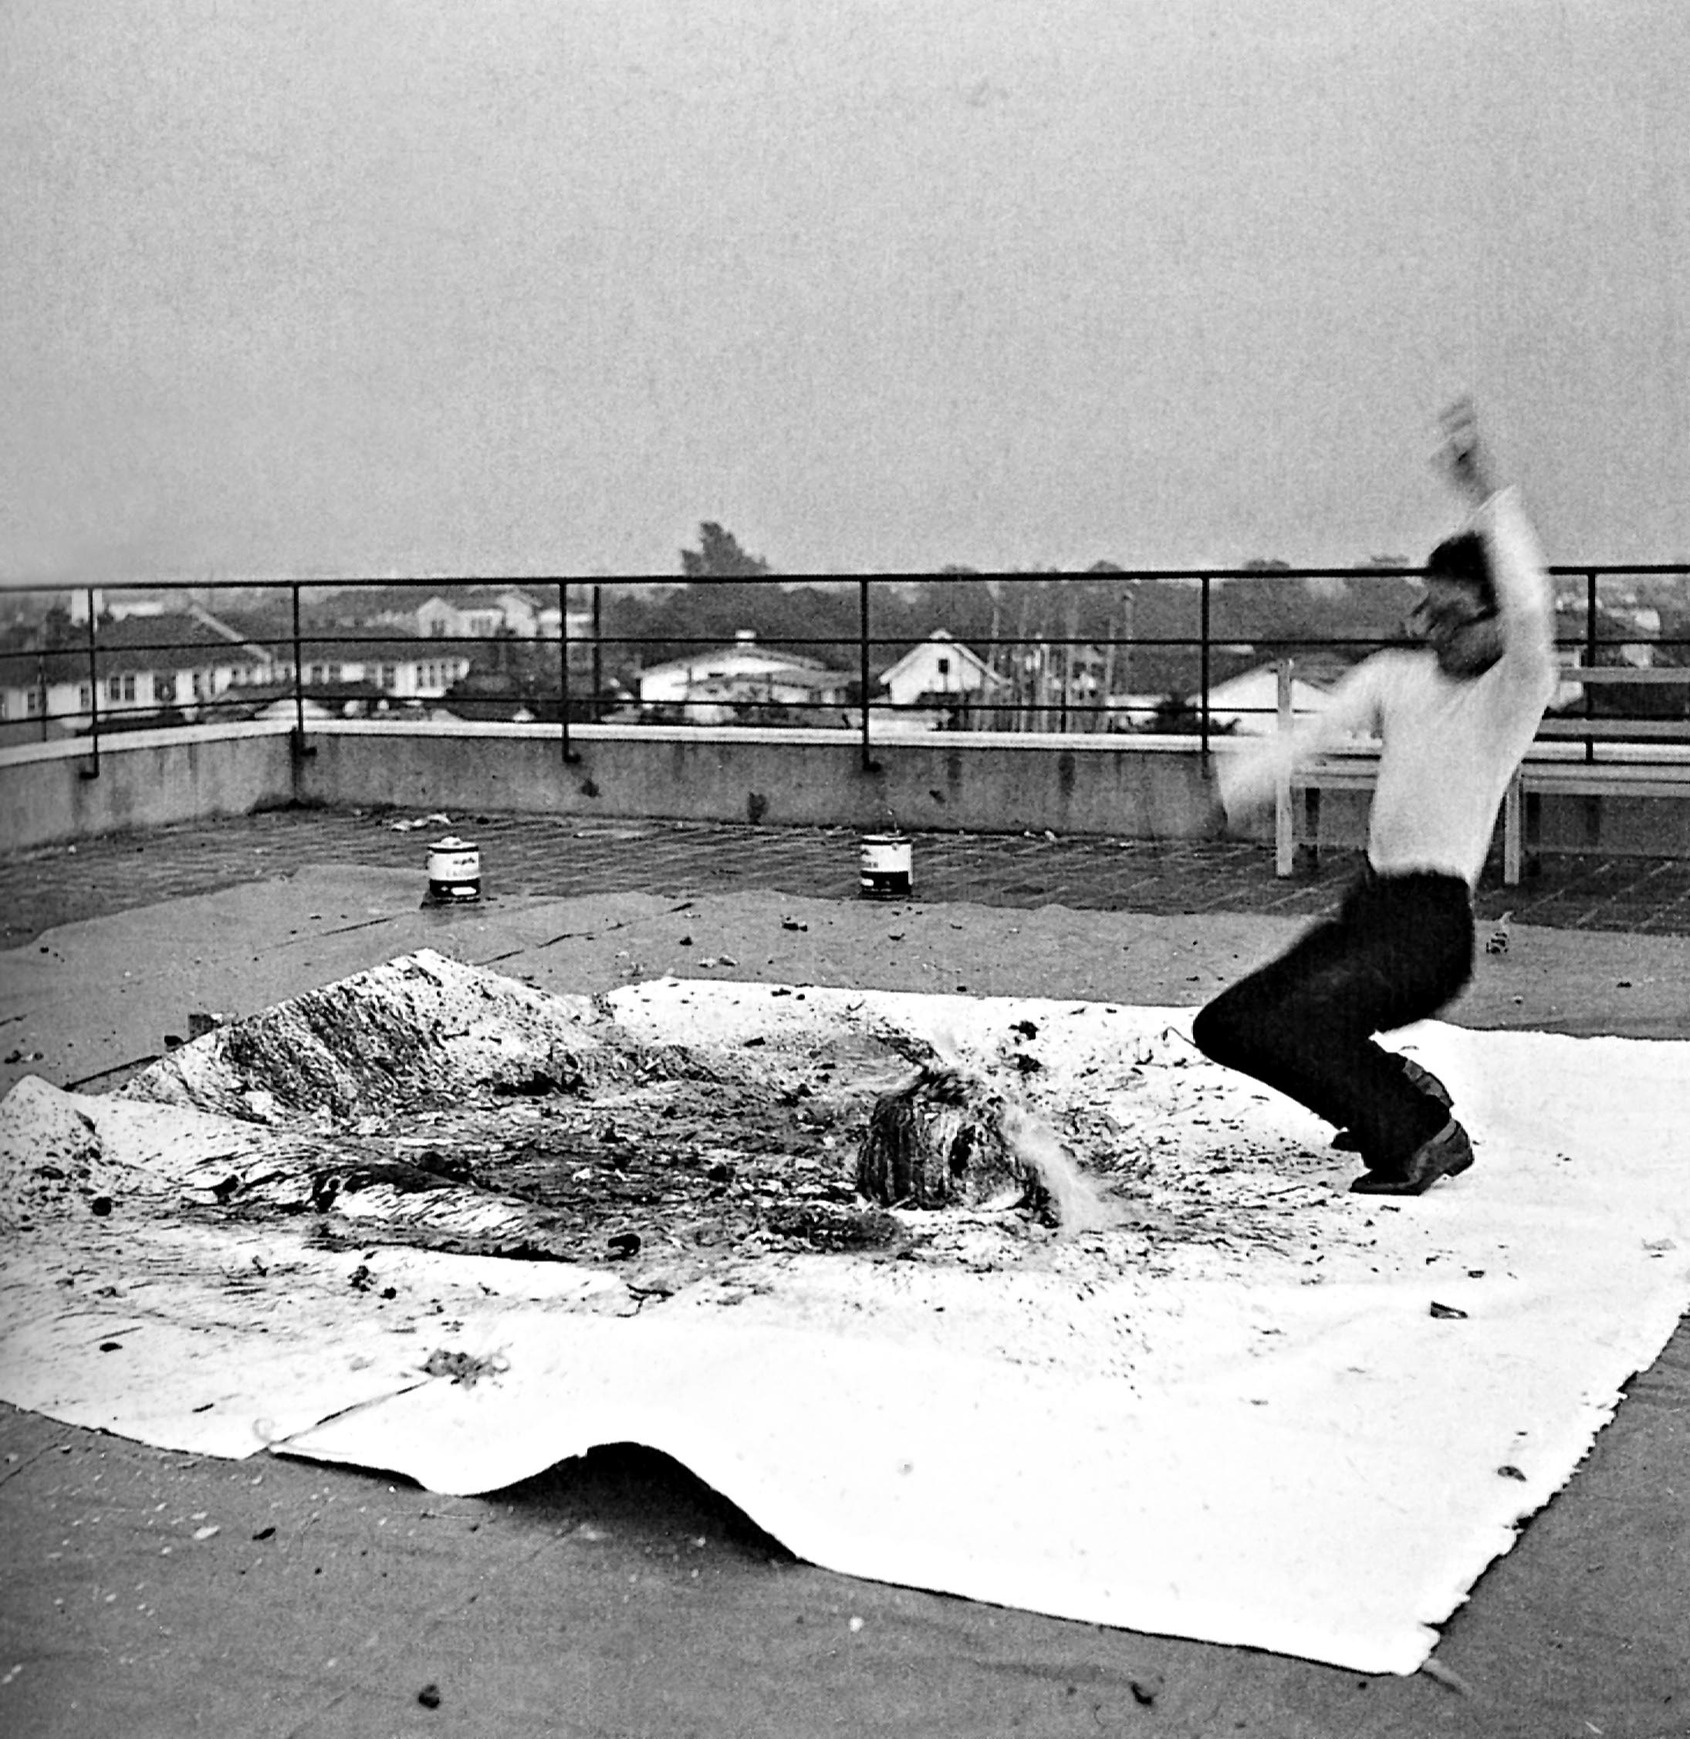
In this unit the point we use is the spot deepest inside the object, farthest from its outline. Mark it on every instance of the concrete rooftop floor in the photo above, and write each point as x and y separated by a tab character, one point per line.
615	1595
557	857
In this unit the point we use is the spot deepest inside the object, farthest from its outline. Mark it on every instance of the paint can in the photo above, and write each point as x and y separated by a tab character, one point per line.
885	872
454	870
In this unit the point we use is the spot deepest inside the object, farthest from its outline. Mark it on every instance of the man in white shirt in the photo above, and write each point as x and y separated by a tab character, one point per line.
1454	716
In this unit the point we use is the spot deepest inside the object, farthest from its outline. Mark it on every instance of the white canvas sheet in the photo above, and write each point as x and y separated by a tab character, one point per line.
1235	1418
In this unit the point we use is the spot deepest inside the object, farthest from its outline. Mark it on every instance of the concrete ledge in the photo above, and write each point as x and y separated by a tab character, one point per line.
1140	787
80	749
975	782
51	792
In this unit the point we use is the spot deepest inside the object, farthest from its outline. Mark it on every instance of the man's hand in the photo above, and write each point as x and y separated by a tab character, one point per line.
1462	457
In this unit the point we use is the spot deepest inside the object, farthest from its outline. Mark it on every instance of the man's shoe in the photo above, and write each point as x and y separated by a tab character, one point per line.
1347	1141
1426	1081
1447	1154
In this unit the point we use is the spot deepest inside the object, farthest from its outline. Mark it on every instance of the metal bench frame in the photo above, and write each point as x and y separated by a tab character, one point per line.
1637	770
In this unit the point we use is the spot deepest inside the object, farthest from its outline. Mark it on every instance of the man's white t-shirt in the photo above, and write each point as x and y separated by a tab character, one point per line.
1448	745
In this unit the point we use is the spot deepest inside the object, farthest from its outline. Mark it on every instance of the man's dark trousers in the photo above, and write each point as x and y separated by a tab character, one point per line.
1399	949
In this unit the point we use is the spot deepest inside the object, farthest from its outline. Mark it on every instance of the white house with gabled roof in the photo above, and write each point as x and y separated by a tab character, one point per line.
939	670
743	669
1248	703
483	614
180	662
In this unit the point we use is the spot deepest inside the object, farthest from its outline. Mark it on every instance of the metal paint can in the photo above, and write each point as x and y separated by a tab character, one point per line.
454	869
885	872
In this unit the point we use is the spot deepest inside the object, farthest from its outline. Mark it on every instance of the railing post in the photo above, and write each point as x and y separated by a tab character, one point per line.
298	677
93	771
1284	815
598	653
1589	656
1203	673
870	765
563	668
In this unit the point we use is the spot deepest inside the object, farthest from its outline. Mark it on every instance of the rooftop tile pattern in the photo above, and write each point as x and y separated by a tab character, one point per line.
568	855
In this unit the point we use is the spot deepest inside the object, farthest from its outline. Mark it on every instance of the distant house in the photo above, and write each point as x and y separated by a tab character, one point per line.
336	700
1647	620
483	614
397	667
1248	704
190	665
940	671
108	604
716	683
804	694
441	619
172	666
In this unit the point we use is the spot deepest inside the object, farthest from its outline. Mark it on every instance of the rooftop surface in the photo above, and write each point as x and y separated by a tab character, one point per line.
563	857
152	1592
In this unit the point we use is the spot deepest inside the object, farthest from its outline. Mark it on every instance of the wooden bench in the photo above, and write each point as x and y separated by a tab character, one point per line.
1597	757
1584	757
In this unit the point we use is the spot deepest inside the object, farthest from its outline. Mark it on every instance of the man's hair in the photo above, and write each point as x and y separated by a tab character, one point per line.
1463	558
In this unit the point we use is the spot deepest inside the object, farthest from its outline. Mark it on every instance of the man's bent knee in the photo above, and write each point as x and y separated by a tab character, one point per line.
1216	1032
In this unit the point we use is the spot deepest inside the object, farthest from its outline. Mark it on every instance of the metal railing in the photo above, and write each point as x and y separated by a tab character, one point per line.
1086	653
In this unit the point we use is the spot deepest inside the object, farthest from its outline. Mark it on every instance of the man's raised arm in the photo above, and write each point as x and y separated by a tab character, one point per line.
1525	598
1249	779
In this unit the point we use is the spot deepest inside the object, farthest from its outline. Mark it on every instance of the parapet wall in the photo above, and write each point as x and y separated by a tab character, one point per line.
971	782
1143	787
50	794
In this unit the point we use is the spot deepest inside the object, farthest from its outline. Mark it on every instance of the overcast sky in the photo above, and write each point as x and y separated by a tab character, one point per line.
534	286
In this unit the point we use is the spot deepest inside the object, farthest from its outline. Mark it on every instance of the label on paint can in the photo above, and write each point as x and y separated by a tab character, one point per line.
454	870
885	871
